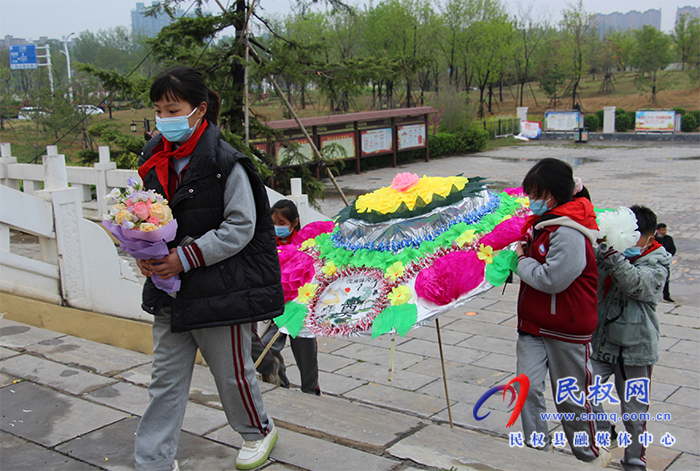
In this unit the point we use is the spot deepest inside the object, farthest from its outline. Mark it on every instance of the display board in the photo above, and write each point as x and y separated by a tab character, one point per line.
304	150
412	135
376	141
344	140
562	120
658	121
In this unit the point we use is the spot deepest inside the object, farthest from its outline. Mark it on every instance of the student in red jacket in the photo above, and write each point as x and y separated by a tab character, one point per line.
557	306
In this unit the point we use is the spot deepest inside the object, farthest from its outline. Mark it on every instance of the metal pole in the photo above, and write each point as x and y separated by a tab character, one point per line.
47	50
70	74
444	375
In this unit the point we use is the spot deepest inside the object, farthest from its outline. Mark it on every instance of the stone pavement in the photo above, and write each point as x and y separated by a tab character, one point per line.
72	404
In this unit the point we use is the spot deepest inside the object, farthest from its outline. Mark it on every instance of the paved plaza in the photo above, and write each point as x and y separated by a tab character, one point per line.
72	404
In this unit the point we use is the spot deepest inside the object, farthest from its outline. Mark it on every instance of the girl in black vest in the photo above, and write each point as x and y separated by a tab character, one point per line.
225	255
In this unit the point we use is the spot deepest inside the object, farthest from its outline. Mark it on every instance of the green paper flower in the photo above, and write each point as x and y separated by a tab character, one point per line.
293	318
401	318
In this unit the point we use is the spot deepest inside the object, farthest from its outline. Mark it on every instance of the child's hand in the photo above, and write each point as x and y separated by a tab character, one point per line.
520	249
609	252
145	267
168	266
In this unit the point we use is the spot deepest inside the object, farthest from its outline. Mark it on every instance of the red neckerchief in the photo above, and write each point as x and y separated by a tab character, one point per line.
160	159
289	238
608	279
579	210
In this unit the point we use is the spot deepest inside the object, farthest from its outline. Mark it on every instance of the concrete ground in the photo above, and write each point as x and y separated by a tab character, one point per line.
71	404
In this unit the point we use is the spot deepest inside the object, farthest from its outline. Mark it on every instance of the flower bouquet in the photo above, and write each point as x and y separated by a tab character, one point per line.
143	222
619	228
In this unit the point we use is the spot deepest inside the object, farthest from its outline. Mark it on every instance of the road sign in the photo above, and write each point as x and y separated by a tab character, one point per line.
23	57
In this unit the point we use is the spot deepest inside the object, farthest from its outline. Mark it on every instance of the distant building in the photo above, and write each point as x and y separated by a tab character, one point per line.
148	25
692	12
617	21
10	40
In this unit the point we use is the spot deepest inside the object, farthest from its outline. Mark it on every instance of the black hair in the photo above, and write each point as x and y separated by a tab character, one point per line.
554	176
646	219
186	84
661	225
288	210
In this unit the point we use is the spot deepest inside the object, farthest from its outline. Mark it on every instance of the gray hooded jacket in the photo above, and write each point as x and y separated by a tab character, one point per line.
628	293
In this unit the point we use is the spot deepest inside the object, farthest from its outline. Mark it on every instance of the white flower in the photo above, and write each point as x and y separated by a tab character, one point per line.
619	227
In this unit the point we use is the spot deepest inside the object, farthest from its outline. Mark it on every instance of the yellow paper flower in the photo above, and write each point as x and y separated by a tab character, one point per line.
308	243
306	292
329	269
505	218
485	253
395	271
525	201
387	200
399	295
465	238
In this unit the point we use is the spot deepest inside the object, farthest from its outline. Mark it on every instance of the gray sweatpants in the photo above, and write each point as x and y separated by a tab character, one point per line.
634	459
227	352
535	356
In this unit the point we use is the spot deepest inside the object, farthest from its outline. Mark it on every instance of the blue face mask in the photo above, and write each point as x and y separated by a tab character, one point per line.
176	128
633	252
282	231
539	207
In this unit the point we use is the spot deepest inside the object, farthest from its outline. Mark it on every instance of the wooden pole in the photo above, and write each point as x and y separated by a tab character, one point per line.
444	375
391	357
267	348
303	130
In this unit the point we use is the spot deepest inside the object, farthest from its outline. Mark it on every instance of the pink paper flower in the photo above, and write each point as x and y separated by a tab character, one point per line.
297	270
142	210
515	191
313	230
404	180
505	233
450	277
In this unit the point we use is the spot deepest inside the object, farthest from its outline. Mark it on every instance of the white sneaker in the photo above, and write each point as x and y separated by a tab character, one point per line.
176	466
254	454
604	458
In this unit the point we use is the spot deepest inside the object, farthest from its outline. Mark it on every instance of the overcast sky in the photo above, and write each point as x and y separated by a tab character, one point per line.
57	18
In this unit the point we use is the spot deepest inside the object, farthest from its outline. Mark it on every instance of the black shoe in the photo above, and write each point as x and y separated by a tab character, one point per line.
668	299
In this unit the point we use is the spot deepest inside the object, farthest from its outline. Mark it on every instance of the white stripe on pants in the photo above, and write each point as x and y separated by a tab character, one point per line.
535	356
227	353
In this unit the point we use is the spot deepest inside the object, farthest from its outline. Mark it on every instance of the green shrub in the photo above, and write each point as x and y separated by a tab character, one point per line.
689	123
619	111
591	122
473	139
679	110
623	122
696	114
442	144
600	114
633	119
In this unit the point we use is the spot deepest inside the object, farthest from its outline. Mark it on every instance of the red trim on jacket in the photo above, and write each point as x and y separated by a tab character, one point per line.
289	238
571	315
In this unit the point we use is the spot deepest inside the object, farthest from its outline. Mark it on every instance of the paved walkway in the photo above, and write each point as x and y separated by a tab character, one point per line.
71	404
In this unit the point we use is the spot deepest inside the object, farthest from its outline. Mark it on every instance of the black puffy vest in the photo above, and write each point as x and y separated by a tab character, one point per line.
241	289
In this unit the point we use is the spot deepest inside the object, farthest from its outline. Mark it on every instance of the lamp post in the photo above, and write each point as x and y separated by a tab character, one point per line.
70	75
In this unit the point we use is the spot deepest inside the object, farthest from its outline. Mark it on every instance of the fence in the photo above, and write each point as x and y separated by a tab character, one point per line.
78	263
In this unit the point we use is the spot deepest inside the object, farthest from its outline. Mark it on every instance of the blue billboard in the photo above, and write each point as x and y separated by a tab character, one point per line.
23	57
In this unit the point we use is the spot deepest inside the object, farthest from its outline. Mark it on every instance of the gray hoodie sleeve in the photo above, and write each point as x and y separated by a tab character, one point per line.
234	233
642	280
564	262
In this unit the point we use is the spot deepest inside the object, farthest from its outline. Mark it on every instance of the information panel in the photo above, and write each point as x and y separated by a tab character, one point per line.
411	136
562	120
23	57
345	140
303	152
659	121
376	141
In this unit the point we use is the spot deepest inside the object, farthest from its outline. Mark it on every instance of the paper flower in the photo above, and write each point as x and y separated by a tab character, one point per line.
466	237
308	243
514	191
523	201
329	269
313	230
396	270
450	277
399	295
619	228
504	234
485	253
297	270
387	200
404	180
307	292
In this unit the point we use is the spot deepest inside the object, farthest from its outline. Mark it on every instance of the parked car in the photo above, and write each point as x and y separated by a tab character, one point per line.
30	112
89	109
